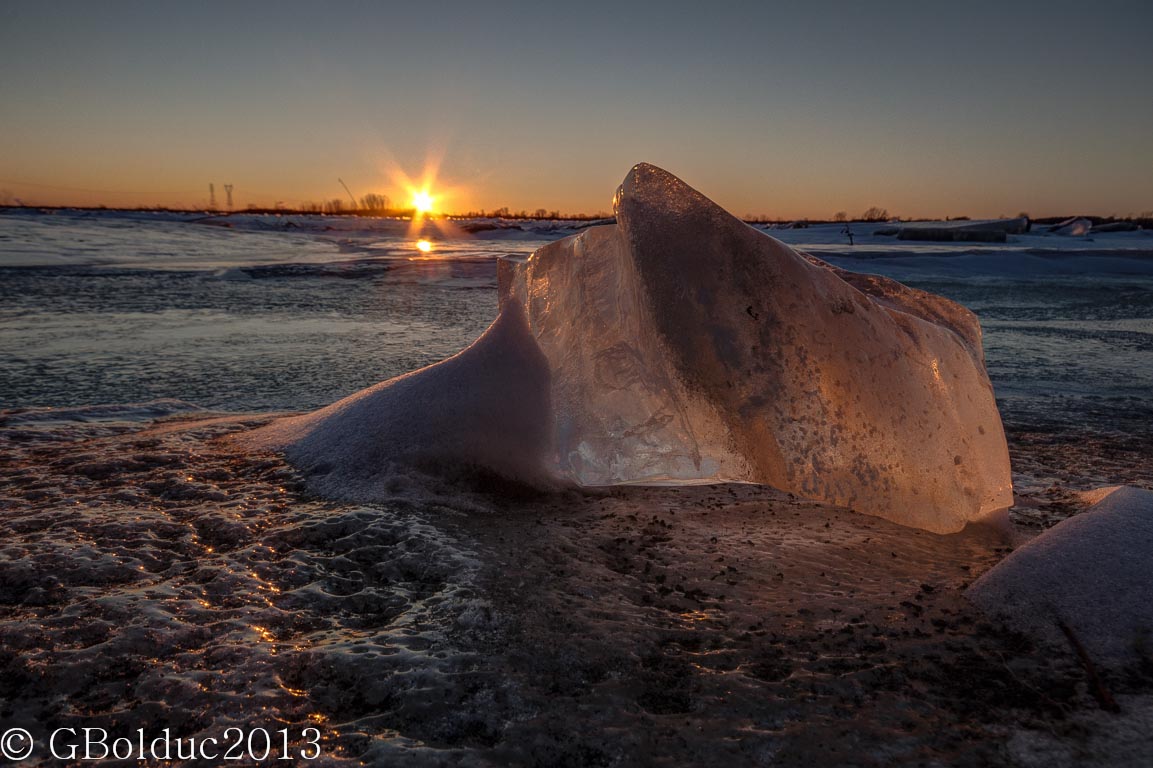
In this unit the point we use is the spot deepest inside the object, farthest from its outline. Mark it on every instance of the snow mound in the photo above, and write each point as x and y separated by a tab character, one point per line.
686	346
483	411
1093	572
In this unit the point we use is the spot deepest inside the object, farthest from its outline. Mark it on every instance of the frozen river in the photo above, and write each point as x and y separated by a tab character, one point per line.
290	313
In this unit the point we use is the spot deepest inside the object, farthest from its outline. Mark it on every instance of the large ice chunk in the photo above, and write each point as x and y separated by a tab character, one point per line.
686	346
1092	572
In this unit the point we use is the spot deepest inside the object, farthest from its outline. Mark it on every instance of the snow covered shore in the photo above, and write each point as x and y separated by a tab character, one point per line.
723	625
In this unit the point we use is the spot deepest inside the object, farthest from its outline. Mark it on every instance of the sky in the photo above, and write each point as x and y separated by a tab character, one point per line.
785	109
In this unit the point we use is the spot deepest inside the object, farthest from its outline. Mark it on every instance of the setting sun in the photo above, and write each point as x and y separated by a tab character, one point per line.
424	246
422	202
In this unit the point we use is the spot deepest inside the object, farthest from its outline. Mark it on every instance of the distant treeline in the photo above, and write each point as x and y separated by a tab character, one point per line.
877	215
330	208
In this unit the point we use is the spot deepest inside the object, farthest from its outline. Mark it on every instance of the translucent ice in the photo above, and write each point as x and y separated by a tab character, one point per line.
685	346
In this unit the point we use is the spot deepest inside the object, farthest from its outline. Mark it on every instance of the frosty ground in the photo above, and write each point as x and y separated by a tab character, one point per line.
713	625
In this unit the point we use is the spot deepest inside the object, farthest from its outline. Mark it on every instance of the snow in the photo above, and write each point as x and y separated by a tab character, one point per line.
1092	571
126	412
472	629
686	346
485	410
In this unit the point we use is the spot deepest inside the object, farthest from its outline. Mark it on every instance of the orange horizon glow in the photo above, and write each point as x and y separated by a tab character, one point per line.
429	197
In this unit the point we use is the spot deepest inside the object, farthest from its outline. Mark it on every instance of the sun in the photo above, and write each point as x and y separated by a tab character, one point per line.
424	246
422	201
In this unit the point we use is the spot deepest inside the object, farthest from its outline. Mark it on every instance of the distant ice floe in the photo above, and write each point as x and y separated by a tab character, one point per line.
995	231
1076	227
680	345
1091	573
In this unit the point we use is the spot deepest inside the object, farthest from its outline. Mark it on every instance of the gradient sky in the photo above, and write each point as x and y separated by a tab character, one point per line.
785	109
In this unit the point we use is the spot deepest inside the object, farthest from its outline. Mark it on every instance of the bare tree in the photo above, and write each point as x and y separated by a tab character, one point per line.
875	214
840	216
375	202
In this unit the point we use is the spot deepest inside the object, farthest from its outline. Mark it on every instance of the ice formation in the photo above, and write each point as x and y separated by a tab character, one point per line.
1093	572
1075	227
686	346
680	345
485	410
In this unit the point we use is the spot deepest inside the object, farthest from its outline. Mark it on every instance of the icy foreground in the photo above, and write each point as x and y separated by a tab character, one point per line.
1093	573
680	345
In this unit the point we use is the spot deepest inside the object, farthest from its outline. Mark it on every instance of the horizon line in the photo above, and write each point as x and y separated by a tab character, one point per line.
524	215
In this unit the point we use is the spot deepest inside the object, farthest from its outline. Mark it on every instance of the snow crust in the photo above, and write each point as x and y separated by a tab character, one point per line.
485	410
686	346
1092	572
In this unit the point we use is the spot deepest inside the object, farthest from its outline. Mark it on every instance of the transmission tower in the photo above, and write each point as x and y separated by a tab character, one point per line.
228	195
211	196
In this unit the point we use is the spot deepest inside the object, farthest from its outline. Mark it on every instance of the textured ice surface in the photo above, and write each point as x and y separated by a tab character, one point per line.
1092	571
686	346
484	410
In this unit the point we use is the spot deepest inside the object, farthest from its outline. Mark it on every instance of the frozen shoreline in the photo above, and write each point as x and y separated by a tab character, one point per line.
723	625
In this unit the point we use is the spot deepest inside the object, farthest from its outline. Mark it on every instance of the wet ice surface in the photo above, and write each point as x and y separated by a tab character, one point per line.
150	575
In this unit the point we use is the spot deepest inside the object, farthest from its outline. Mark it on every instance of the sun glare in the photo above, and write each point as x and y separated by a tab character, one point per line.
429	201
422	201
